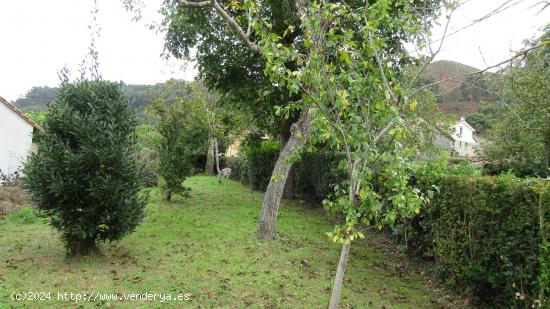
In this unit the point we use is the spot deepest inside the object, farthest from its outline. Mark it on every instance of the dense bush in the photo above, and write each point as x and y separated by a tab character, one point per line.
150	161
486	236
183	140
317	173
239	168
261	161
85	174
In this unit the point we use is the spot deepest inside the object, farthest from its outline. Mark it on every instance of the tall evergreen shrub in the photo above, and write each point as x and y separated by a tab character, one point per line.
85	175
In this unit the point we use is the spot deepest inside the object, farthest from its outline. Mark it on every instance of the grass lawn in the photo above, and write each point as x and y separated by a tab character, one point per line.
206	246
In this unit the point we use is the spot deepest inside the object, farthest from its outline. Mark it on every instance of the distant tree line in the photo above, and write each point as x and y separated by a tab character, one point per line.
139	96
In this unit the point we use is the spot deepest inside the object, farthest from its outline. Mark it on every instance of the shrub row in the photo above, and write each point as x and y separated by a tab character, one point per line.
317	173
488	236
314	174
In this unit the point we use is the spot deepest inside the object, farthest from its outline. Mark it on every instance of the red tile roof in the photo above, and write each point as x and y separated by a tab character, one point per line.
21	114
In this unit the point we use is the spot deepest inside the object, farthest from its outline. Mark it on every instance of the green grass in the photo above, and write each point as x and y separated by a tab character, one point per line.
23	215
205	245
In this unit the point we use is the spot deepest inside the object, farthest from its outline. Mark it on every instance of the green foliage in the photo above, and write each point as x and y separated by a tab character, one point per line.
38	117
23	215
354	93
232	70
544	260
317	173
261	160
239	168
147	136
85	175
484	235
36	99
150	161
519	139
139	96
484	119
183	138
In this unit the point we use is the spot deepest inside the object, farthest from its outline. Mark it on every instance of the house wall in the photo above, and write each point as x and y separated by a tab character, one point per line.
464	143
464	149
15	140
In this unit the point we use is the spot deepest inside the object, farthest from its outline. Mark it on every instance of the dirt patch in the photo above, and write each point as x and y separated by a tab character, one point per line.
459	108
12	198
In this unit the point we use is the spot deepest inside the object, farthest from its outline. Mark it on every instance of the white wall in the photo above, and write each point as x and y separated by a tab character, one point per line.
15	140
464	142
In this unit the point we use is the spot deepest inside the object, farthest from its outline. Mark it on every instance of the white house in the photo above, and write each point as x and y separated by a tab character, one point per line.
16	131
462	142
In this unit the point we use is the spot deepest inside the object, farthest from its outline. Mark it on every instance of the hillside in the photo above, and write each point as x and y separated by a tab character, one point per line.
446	69
140	96
460	93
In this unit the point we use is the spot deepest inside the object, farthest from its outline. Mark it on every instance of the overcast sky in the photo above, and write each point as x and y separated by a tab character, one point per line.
38	38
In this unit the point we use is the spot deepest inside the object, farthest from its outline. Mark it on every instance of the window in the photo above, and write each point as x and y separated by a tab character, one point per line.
460	129
459	144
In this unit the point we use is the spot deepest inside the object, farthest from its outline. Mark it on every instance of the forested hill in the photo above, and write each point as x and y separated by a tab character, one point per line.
140	96
460	94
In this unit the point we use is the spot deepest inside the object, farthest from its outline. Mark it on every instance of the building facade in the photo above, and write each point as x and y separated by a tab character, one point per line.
462	142
16	131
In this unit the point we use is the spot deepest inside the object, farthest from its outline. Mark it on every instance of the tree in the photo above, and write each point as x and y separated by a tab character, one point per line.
222	123
353	90
519	138
234	70
84	175
36	98
194	18
183	136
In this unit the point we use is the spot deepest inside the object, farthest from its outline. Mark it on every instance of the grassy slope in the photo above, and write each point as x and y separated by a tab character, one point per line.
205	245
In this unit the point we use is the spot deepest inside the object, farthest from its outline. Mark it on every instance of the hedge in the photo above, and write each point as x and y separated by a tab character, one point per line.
260	163
315	173
239	168
487	236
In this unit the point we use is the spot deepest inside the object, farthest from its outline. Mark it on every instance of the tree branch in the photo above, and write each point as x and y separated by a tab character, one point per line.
384	132
244	37
432	53
235	26
194	4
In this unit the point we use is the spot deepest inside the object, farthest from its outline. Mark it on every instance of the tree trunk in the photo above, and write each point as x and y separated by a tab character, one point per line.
290	186
341	269
77	246
217	156
339	279
209	168
547	157
289	190
272	198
